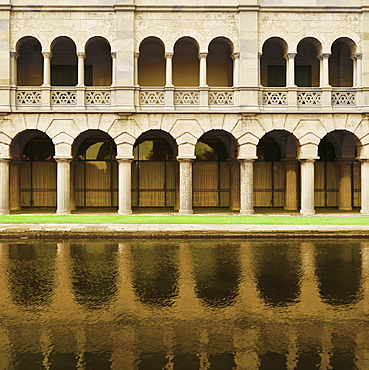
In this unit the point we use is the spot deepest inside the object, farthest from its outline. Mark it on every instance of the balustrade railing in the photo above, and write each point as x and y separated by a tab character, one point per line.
63	96
273	97
343	97
186	97
97	97
154	96
309	97
220	97
28	96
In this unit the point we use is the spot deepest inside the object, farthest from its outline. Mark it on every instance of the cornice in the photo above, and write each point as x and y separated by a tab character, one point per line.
311	9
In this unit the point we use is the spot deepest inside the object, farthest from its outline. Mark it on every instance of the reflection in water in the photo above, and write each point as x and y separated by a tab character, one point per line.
145	305
94	273
338	269
155	273
278	272
216	273
31	273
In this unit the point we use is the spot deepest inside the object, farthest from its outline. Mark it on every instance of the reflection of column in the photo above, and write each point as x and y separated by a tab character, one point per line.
359	70
202	354
124	342
14	196
307	187
168	69
290	57
326	348
124	186
46	346
291	185
364	186
325	69
345	193
246	343
202	57
246	186
365	275
81	347
236	67
81	68
63	185
185	185
47	68
4	183
292	348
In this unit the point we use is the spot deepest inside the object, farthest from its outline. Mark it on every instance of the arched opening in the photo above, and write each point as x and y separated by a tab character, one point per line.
273	63
154	170
215	158
341	70
98	62
29	62
219	63
276	171
151	63
186	67
307	64
63	62
33	170
95	170
337	172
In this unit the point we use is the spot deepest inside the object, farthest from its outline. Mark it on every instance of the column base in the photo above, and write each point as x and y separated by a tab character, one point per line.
124	213
5	212
249	212
63	212
364	212
185	212
307	213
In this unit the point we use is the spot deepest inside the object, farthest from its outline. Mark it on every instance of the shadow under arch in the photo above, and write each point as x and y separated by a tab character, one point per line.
32	170
94	170
29	62
151	62
338	171
94	274
155	170
216	171
273	63
276	171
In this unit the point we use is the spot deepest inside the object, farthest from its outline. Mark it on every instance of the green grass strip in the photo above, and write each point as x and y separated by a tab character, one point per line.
194	220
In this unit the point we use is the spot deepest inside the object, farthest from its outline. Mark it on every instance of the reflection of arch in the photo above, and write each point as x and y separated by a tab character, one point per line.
186	62
341	64
151	62
278	286
219	63
95	170
94	273
338	269
63	62
154	170
273	63
215	154
31	273
34	173
276	171
307	65
155	273
98	62
337	172
216	273
29	62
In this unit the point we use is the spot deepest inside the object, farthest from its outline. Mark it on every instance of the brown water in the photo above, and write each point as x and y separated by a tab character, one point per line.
184	305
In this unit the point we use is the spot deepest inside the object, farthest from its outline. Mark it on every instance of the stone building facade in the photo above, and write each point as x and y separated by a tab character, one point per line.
229	104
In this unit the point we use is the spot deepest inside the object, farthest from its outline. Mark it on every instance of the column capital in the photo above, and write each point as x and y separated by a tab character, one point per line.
46	54
308	160
14	54
63	159
136	54
324	55
364	160
203	55
358	55
247	160
235	55
5	160
113	54
124	159
81	54
168	55
188	159
290	55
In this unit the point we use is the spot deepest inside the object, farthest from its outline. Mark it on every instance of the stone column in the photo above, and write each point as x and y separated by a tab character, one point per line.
345	191
81	68
202	57
135	80
359	70
4	181
290	57
168	69
364	186
325	69
307	187
63	185
246	186
236	67
114	68
124	186
47	68
185	185
13	68
291	185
